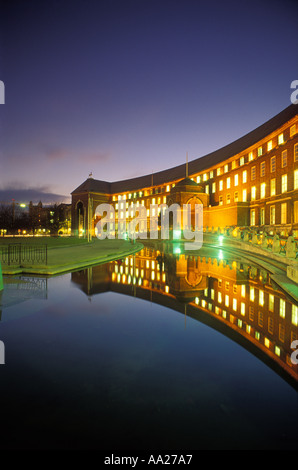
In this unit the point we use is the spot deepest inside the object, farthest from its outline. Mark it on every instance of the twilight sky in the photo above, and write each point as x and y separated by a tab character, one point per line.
124	88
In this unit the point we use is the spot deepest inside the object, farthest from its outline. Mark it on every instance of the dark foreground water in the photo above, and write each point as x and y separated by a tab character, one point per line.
115	372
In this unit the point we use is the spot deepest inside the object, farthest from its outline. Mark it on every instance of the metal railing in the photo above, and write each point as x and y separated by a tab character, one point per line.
16	254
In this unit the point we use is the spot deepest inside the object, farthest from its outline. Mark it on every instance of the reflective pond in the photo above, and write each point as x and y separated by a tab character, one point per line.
160	350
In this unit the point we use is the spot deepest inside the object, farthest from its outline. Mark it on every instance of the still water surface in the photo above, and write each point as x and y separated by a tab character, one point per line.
88	366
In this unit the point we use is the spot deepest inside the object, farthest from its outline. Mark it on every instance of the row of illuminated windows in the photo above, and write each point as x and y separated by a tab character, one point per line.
225	169
283	188
122	204
252	296
248	328
251	156
135	280
151	274
263	190
272	212
147	192
253	171
244	178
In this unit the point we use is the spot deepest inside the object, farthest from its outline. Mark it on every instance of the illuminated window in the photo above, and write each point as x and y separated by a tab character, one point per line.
198	179
220	200
263	190
284	158
283	215
272	215
272	187
168	188
221	185
205	176
269	146
271	303
227	300
262	169
211	174
235	304
280	139
260	151
244	177
226	168
214	187
273	164
250	156
292	130
267	342
236	196
242	308
241	161
244	195
261	297
218	171
212	294
234	164
296	153
252	217
243	290
282	308
236	180
253	173
284	183
295	315
207	189
251	294
253	193
296	179
228	183
277	350
219	297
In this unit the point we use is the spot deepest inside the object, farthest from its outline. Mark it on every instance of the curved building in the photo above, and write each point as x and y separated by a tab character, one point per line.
250	182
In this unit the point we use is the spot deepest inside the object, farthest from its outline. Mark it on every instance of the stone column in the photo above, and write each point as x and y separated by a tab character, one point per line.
291	247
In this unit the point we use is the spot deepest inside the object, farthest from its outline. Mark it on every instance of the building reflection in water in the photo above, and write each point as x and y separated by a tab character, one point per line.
237	299
18	289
